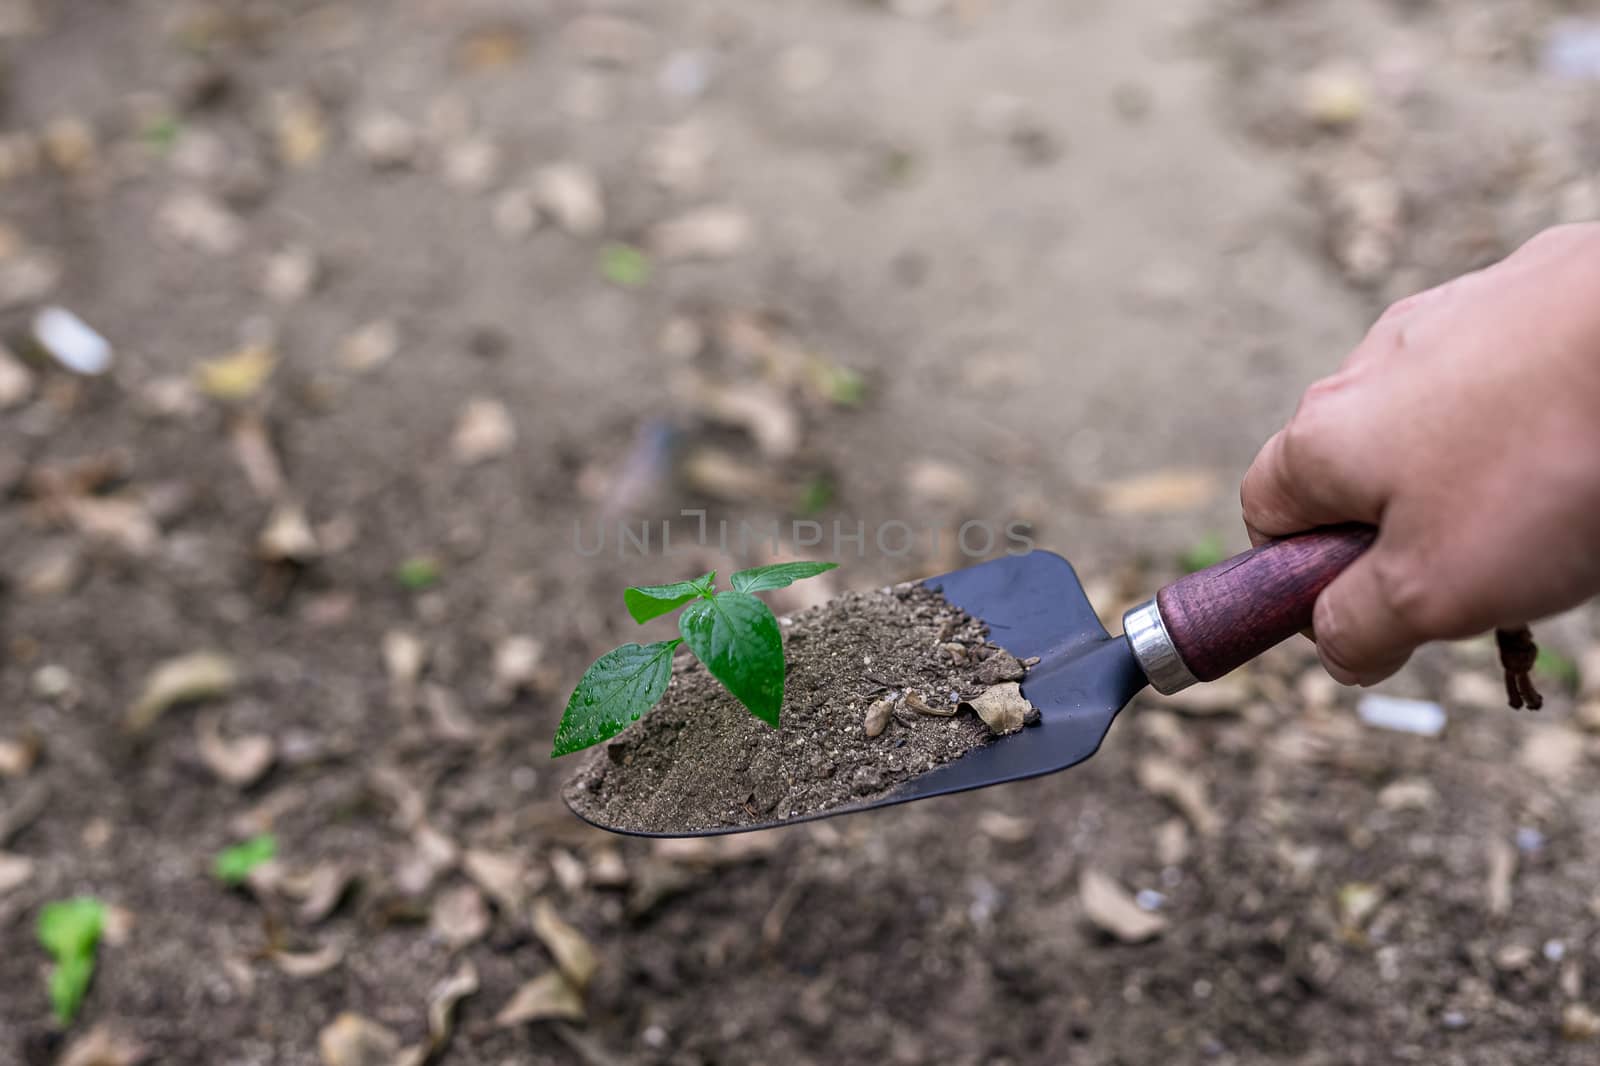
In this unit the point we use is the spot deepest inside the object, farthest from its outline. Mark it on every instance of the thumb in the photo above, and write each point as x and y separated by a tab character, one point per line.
1360	635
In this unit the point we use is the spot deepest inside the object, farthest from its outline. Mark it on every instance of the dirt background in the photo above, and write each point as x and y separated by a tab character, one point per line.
1083	258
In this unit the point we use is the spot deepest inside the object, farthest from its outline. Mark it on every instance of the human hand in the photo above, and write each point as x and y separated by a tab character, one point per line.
1466	426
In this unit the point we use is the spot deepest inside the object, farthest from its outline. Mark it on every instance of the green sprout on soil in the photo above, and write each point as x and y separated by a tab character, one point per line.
417	573
624	265
734	634
70	931
234	865
1553	664
1207	552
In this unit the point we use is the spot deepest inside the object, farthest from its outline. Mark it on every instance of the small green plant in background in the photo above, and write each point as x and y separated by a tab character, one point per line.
233	866
1553	664
70	931
734	634
1207	552
624	265
417	573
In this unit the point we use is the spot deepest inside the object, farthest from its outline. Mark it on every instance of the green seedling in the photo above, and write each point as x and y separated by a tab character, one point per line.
417	573
70	931
1207	552
161	133
624	265
1553	664
233	866
734	634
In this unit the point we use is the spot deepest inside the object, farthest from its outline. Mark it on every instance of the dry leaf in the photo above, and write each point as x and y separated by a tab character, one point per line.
319	891
240	762
938	484
1109	906
351	1040
724	476
15	871
287	536
370	346
607	869
606	39
503	876
569	193
566	945
117	926
1227	695
121	521
1553	753
459	917
715	852
516	663
714	232
16	381
239	375
1002	708
432	854
186	679
447	720
202	222
758	409
1502	871
492	47
877	718
403	658
1161	492
103	1046
485	431
1182	788
442	1003
1006	828
18	756
301	132
1357	901
544	998
309	963
252	447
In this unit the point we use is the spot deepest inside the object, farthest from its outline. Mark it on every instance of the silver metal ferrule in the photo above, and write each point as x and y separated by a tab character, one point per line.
1147	635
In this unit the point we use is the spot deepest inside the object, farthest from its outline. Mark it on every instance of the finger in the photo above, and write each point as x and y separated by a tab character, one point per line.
1360	636
1315	472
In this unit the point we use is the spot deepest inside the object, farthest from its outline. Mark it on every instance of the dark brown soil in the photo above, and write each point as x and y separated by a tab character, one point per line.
699	760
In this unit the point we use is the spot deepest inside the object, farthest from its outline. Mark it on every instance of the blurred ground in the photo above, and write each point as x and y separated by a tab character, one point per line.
399	291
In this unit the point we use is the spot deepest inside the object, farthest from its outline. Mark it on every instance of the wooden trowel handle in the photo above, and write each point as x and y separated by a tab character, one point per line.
1222	617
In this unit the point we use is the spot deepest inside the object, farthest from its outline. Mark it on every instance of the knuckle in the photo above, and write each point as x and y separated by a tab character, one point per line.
1335	640
1421	605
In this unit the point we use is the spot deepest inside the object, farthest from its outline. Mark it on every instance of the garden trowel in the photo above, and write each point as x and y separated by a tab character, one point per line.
1196	629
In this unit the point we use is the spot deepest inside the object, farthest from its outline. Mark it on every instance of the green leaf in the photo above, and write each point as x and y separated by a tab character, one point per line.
69	983
620	686
71	927
816	495
70	932
652	601
777	576
161	133
625	265
233	865
1553	664
418	572
843	386
1208	552
737	638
